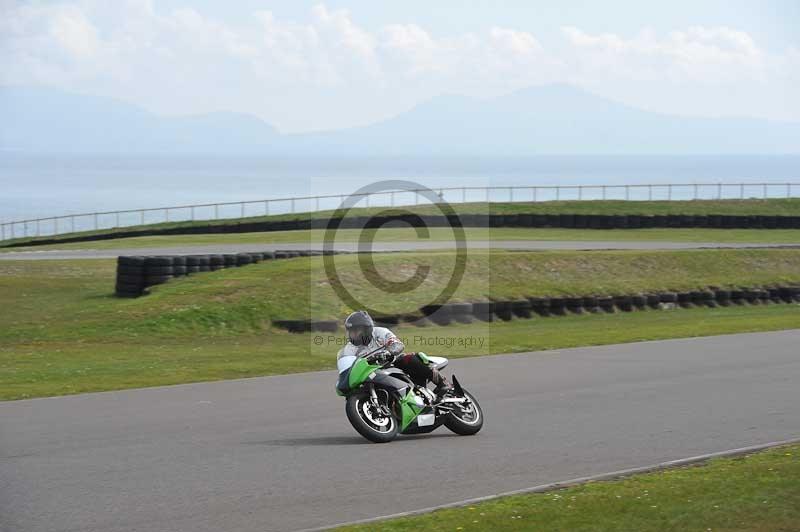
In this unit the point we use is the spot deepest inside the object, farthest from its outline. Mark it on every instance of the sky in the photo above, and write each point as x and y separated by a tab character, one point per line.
307	66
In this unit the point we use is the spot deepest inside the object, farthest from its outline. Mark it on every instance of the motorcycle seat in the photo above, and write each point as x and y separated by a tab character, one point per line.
438	362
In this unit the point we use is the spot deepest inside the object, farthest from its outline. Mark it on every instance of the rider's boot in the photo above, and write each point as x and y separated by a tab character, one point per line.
442	386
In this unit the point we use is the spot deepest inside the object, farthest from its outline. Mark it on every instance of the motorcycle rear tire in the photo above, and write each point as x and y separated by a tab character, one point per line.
352	406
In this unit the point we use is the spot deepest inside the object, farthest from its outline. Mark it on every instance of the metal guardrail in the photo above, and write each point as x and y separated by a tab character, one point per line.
70	223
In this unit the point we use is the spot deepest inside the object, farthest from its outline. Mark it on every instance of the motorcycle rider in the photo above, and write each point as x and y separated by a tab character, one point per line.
363	337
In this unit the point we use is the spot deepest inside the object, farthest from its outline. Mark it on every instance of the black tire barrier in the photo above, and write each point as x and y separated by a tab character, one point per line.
540	305
129	287
490	310
794	291
502	309
590	304
193	260
216	260
281	254
294	326
268	255
668	297
521	308
256	257
191	270
623	303
230	260
606	304
763	297
178	260
130	279
159	270
130	270
243	259
179	271
151	280
707	298
157	262
751	296
574	305
135	294
737	297
557	306
483	310
790	293
462	312
438	314
135	261
722	297
775	295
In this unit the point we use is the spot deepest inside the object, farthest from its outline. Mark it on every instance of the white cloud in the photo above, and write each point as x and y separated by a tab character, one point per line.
329	71
717	54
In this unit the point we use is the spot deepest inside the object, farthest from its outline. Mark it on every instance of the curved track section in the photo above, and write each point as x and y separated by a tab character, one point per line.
277	453
523	245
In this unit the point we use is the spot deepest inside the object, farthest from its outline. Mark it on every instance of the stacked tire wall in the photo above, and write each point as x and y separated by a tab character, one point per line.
569	221
137	273
543	307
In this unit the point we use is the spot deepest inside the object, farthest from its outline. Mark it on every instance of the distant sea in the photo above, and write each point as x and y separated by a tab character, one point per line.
43	186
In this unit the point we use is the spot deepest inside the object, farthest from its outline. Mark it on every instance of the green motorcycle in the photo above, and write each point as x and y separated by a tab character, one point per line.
382	401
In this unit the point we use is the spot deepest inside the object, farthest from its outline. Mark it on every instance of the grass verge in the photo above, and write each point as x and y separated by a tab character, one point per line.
62	332
766	207
756	492
755	236
47	367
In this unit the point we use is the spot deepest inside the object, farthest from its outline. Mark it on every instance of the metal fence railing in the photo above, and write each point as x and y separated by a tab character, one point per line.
94	221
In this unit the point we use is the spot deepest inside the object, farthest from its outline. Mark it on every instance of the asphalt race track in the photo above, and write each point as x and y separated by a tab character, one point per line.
277	453
531	245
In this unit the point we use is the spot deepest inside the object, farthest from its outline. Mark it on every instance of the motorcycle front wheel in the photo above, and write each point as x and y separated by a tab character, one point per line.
369	421
466	419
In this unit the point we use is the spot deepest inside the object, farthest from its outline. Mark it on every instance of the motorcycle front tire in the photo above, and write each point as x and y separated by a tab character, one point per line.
354	408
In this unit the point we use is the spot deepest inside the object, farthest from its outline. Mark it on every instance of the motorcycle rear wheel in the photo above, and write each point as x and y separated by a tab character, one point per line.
372	425
466	421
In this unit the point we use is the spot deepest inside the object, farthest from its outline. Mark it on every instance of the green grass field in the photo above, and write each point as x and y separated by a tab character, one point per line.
756	236
769	207
63	332
755	493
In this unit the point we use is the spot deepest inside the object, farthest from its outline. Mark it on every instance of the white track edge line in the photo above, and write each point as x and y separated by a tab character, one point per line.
568	483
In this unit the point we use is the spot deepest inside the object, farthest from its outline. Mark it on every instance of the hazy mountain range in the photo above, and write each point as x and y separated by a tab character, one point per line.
551	119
